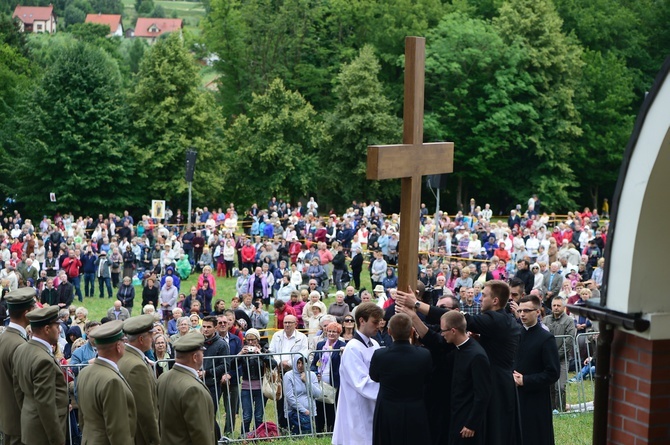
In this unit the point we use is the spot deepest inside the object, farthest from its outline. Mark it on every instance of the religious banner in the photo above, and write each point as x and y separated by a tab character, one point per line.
157	209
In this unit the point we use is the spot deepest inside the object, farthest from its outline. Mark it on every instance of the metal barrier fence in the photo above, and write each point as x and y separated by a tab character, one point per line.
585	348
579	349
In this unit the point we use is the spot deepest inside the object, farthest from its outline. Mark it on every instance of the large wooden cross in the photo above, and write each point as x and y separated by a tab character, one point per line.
409	161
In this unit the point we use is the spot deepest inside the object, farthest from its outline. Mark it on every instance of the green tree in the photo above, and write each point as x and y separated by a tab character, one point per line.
170	113
472	80
362	117
604	102
71	136
145	7
135	54
158	11
552	66
273	149
304	42
15	66
75	12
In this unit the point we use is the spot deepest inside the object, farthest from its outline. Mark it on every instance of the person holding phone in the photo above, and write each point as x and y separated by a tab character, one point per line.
252	366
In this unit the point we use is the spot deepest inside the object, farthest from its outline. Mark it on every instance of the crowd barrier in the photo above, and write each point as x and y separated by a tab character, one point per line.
580	387
240	409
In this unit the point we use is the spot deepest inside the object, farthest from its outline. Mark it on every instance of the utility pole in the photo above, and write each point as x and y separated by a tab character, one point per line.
190	172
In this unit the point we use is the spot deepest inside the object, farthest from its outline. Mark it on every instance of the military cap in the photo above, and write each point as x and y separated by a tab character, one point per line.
190	342
107	333
21	298
139	324
42	317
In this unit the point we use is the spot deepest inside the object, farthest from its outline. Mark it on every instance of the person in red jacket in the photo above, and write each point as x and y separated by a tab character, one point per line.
501	252
249	255
72	266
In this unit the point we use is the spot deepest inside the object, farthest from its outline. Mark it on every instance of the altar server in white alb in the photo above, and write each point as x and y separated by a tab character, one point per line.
358	392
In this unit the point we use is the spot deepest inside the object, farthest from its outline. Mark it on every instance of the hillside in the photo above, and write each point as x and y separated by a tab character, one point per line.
190	12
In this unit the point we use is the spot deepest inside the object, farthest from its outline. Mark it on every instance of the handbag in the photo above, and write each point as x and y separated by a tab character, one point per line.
272	384
327	393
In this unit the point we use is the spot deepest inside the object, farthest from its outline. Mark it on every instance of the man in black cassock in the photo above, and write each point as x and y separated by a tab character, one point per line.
403	371
536	369
471	383
499	336
438	394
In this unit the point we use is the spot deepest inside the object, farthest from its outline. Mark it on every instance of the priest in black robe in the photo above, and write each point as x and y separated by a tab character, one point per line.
536	369
402	371
471	385
438	394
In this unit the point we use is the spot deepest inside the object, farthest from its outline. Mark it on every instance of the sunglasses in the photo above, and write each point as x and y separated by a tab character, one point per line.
348	320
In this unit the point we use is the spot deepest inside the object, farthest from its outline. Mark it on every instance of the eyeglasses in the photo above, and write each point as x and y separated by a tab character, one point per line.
222	322
442	331
289	322
526	311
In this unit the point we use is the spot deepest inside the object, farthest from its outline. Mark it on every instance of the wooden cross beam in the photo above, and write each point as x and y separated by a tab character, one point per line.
409	161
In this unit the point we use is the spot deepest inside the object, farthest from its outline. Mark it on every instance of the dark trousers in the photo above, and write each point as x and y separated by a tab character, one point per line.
89	284
325	417
102	282
231	400
76	282
356	276
281	415
115	279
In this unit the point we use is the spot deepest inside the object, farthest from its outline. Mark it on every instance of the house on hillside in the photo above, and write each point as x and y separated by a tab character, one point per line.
152	28
35	18
111	20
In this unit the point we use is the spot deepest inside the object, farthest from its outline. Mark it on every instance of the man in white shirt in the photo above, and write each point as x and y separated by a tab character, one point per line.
287	341
358	392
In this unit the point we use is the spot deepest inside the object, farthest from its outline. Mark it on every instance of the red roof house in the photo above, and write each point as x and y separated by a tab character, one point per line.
111	20
152	28
36	18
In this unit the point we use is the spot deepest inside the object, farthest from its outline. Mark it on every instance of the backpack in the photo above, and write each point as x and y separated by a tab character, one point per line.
264	430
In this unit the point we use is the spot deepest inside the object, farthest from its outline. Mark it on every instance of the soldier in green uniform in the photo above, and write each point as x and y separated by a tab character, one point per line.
185	406
39	384
107	412
139	375
19	303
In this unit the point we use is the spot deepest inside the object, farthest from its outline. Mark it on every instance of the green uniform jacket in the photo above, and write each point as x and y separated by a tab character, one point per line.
41	392
187	411
10	413
140	377
106	406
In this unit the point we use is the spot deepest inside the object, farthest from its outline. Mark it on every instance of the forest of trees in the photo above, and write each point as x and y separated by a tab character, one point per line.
539	96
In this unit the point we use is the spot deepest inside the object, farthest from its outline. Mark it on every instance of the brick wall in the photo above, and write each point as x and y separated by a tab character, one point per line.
639	410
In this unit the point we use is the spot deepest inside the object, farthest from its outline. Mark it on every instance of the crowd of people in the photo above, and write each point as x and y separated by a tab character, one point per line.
477	279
